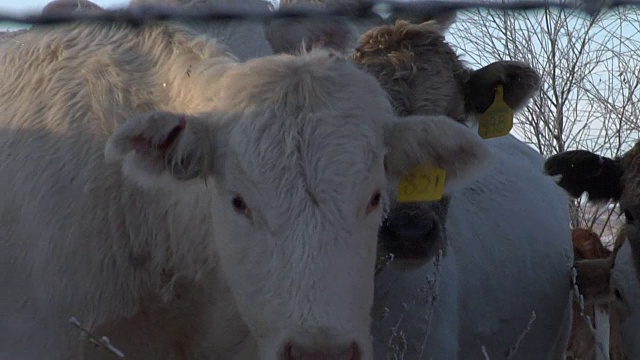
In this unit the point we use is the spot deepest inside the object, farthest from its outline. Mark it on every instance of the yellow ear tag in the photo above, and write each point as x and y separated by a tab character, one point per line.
498	119
423	183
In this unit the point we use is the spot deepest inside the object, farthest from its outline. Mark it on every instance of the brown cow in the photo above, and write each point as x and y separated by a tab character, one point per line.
594	261
611	179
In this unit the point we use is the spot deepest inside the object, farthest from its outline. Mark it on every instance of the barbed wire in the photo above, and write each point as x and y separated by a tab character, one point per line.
361	10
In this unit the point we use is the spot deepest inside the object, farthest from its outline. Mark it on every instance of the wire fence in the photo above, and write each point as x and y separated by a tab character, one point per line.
361	10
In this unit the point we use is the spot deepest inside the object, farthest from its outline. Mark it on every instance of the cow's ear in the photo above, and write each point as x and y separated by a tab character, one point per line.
519	80
436	141
583	171
160	146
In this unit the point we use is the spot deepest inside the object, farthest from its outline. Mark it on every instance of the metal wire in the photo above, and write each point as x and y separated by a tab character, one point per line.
361	10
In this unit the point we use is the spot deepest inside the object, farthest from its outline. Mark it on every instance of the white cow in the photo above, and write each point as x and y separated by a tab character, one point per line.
248	39
245	39
144	167
508	256
502	287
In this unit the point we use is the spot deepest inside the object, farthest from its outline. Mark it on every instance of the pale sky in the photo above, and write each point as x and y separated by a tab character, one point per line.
36	5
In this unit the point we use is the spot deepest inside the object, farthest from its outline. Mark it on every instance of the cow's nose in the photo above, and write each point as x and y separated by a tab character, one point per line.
412	237
296	352
415	230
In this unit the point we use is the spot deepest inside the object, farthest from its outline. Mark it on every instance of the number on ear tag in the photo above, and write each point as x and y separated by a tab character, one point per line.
498	119
423	183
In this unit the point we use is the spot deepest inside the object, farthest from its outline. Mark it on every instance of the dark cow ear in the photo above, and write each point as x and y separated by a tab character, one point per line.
583	171
520	83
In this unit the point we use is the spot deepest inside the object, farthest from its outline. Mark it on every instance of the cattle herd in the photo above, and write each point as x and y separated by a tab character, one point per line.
229	190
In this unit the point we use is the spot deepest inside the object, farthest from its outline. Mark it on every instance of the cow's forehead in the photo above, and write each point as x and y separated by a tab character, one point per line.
420	70
313	106
315	171
309	126
312	152
315	82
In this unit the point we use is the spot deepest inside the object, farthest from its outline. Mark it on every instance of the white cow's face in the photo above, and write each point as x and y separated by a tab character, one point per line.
301	150
302	200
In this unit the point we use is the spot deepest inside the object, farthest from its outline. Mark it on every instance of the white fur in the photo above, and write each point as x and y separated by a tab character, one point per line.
624	279
245	39
471	157
300	139
602	333
509	254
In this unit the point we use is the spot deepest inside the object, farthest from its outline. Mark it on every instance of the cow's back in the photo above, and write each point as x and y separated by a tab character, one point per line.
521	261
245	39
509	255
63	209
64	91
51	146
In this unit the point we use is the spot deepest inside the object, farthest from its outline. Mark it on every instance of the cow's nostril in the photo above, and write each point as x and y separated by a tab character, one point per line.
411	239
416	231
294	352
410	228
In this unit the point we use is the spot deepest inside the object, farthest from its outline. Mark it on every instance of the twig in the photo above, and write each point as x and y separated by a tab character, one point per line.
432	288
103	341
514	348
484	352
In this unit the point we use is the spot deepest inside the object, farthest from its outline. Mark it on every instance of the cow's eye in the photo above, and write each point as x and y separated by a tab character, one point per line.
617	294
374	201
240	206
